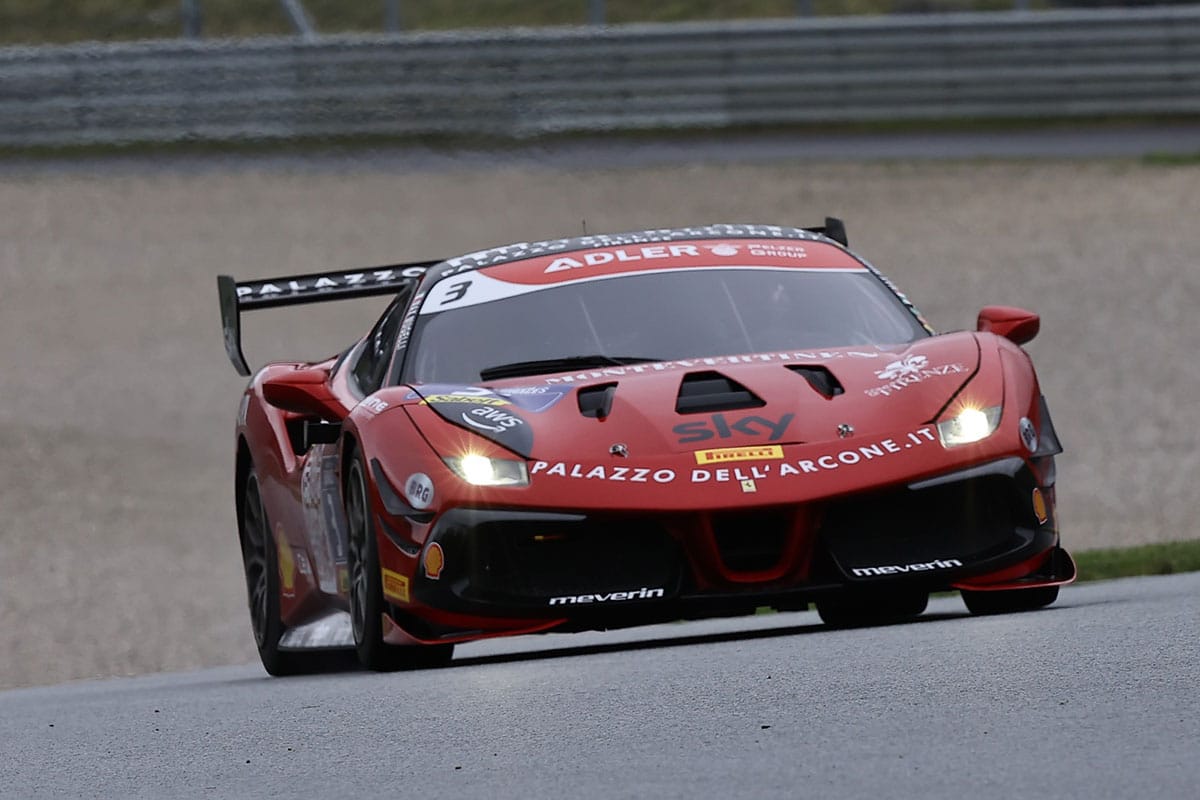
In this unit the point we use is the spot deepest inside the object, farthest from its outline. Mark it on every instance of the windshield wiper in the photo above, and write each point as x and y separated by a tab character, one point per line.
542	366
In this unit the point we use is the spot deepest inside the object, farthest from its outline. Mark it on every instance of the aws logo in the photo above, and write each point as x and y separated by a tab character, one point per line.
719	427
491	419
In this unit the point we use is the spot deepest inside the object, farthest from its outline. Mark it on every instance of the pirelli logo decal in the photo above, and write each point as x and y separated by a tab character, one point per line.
725	454
395	586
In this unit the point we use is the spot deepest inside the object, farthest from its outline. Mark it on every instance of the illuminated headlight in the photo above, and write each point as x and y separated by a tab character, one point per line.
971	425
480	470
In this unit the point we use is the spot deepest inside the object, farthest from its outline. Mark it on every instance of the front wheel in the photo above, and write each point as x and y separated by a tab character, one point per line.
860	609
1007	601
366	588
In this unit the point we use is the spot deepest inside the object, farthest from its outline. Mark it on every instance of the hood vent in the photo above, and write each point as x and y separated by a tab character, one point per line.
596	401
820	379
702	392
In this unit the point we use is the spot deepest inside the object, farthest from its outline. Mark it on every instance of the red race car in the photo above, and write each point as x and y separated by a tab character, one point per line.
615	430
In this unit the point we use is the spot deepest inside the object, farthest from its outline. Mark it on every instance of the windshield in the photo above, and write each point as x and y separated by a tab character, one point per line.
673	314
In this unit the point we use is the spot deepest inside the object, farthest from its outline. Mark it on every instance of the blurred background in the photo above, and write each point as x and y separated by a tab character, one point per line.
1043	155
44	21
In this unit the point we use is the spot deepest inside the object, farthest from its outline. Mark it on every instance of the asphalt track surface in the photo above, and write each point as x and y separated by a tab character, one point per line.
1095	697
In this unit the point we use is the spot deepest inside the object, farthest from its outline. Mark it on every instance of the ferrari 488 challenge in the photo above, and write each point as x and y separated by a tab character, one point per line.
614	430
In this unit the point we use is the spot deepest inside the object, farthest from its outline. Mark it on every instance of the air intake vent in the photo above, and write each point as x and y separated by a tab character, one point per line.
711	391
751	541
596	401
820	379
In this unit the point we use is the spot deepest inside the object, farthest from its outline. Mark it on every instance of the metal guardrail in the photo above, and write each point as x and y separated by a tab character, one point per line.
525	82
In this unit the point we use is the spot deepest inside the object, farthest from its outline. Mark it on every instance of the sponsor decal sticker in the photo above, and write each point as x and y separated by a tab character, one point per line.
395	586
533	398
1039	506
774	250
374	405
900	569
522	250
435	399
334	280
343	579
725	454
419	490
631	474
435	561
793	356
622	254
287	564
611	597
909	365
718	425
910	370
827	462
491	419
1029	436
743	475
480	410
749	486
324	518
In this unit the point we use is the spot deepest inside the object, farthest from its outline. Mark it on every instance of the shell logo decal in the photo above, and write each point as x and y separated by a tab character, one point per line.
1039	506
435	560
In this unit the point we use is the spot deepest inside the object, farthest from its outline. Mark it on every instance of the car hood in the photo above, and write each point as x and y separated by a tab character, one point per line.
745	401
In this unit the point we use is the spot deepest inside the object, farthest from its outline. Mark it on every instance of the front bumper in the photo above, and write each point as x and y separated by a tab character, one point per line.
577	570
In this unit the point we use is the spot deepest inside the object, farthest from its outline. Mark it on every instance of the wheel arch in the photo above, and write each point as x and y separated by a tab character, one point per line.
244	463
349	448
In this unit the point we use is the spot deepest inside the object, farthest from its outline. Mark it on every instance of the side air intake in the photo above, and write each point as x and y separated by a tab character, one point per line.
702	392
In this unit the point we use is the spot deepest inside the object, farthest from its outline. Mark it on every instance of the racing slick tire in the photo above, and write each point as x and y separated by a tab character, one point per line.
260	560
1007	601
367	605
861	609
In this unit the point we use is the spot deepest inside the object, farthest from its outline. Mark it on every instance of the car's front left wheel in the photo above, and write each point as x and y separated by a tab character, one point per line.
367	605
861	608
260	560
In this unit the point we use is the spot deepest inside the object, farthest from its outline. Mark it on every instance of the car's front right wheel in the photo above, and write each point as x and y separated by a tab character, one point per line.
1007	601
367	605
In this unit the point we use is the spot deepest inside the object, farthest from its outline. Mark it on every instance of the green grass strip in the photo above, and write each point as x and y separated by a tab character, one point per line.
1148	559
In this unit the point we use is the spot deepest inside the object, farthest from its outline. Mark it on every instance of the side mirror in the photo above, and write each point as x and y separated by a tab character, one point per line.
1014	324
304	391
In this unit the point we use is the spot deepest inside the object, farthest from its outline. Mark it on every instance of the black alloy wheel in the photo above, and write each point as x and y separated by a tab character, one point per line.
860	609
1008	601
261	563
367	605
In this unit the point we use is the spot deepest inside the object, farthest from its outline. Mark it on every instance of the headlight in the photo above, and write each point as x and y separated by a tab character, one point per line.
480	470
971	425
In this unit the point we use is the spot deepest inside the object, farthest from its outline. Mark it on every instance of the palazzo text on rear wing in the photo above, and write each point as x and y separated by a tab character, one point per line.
236	296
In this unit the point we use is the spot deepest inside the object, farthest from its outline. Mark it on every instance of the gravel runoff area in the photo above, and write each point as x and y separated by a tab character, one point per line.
117	546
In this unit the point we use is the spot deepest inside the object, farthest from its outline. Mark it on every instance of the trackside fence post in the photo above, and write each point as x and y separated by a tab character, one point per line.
193	23
597	13
392	21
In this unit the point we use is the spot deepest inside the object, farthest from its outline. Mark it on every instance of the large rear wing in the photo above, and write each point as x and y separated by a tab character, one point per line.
318	287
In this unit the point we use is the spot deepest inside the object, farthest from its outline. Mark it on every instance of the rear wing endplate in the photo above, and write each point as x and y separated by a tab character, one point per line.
318	287
834	229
